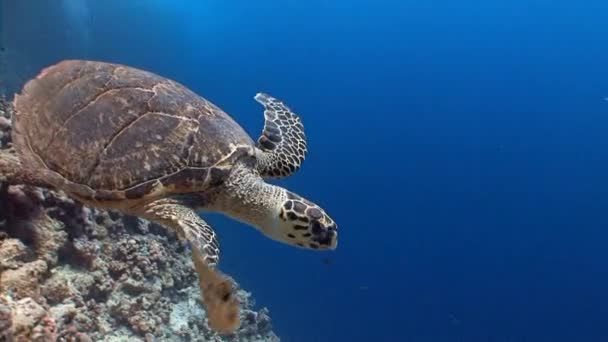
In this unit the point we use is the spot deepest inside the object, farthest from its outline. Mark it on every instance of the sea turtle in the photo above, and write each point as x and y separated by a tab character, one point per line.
117	137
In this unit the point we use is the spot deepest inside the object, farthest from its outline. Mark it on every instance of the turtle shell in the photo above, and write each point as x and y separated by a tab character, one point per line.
109	132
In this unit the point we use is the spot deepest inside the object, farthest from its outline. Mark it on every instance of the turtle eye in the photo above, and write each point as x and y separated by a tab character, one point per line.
316	227
325	237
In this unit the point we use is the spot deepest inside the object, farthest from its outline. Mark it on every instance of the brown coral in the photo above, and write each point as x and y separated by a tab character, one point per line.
25	320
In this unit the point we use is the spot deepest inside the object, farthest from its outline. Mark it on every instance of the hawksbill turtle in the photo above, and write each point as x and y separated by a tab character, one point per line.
120	138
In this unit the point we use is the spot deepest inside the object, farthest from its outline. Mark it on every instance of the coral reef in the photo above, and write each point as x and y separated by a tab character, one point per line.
70	273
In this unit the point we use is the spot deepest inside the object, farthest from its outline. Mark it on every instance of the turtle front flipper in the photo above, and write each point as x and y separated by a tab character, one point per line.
217	289
282	145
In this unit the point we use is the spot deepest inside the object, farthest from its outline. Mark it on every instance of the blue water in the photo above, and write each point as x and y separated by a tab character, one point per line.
462	147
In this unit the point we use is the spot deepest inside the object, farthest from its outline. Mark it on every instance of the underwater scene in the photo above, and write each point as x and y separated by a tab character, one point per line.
304	171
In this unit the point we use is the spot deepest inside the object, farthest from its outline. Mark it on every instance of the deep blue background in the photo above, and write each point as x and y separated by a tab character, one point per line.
461	146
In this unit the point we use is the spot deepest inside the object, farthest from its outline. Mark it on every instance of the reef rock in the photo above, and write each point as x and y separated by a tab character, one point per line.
71	273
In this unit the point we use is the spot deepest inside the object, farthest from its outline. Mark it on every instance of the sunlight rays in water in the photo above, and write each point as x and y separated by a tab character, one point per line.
78	17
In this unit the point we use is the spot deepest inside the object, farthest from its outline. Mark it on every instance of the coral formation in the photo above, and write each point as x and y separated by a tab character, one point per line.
70	273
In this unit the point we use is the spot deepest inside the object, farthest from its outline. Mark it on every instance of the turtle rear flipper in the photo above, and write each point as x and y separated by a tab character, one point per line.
282	145
13	172
217	290
10	168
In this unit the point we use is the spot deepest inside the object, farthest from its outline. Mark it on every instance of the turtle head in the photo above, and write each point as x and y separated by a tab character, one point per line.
276	212
304	224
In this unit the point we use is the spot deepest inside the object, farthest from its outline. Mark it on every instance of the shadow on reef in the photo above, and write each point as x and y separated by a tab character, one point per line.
70	273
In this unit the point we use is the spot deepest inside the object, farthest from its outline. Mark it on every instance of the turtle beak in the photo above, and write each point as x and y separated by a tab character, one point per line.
333	239
328	237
